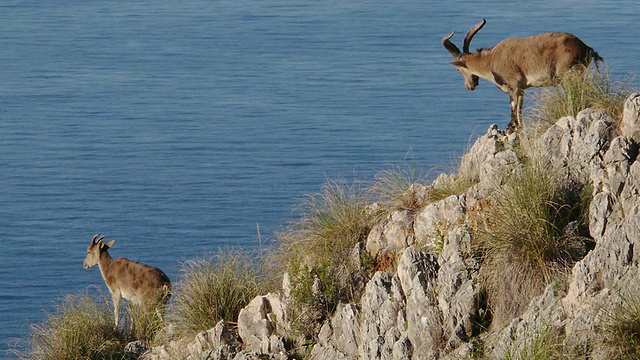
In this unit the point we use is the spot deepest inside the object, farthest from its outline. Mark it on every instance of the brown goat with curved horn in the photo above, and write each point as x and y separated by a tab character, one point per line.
516	64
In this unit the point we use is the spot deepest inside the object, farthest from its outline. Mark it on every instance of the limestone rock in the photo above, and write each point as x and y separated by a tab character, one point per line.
417	272
382	315
161	352
489	159
398	316
219	337
244	355
135	349
256	327
545	316
630	125
486	147
392	234
610	272
557	141
593	133
576	145
434	222
339	337
455	287
429	305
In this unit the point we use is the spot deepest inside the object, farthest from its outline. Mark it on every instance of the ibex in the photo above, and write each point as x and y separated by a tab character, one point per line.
141	284
516	64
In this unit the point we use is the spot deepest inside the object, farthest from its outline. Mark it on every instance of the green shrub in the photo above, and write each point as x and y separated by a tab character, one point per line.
317	251
398	188
453	184
456	179
579	90
622	328
534	232
80	328
216	287
143	322
540	342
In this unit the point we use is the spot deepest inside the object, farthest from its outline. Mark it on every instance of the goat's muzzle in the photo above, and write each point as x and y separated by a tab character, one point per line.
472	83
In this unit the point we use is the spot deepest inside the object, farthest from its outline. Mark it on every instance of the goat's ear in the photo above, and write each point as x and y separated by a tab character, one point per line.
109	244
458	63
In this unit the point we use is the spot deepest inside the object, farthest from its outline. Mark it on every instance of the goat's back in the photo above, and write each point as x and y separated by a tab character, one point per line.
547	55
139	282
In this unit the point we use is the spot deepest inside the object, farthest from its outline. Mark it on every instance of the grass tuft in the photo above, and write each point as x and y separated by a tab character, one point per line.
82	327
622	329
215	287
318	252
533	233
541	342
143	322
453	184
579	90
400	188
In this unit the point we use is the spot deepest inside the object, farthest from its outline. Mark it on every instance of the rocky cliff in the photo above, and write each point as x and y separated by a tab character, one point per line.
429	303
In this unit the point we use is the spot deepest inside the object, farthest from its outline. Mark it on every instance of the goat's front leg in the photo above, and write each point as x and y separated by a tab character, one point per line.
116	308
516	98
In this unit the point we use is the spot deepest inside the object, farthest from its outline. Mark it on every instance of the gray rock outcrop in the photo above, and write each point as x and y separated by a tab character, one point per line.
429	305
585	149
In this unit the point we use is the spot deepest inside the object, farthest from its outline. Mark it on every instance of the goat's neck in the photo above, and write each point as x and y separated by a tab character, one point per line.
480	64
105	263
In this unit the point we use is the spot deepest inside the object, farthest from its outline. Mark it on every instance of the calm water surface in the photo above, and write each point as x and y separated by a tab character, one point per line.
177	127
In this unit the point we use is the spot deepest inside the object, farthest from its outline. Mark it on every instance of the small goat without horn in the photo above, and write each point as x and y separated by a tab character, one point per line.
141	284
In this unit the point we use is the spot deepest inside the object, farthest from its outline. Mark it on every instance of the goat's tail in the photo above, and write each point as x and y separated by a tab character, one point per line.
595	56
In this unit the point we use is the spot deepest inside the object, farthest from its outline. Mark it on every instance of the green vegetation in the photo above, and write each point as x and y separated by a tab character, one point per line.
454	184
580	90
213	288
398	188
539	343
621	328
320	252
82	327
532	235
528	234
143	322
216	287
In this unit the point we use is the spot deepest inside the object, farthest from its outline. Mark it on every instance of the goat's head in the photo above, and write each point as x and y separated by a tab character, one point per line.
470	79
95	249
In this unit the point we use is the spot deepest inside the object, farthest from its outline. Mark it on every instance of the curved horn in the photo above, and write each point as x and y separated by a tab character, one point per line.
453	50
97	238
472	32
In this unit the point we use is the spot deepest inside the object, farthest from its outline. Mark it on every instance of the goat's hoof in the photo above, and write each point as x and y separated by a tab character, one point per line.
511	129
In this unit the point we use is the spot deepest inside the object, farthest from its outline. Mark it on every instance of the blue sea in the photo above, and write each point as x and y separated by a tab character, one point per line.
181	127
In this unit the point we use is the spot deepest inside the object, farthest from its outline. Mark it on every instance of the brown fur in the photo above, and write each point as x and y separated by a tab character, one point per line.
516	64
139	283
